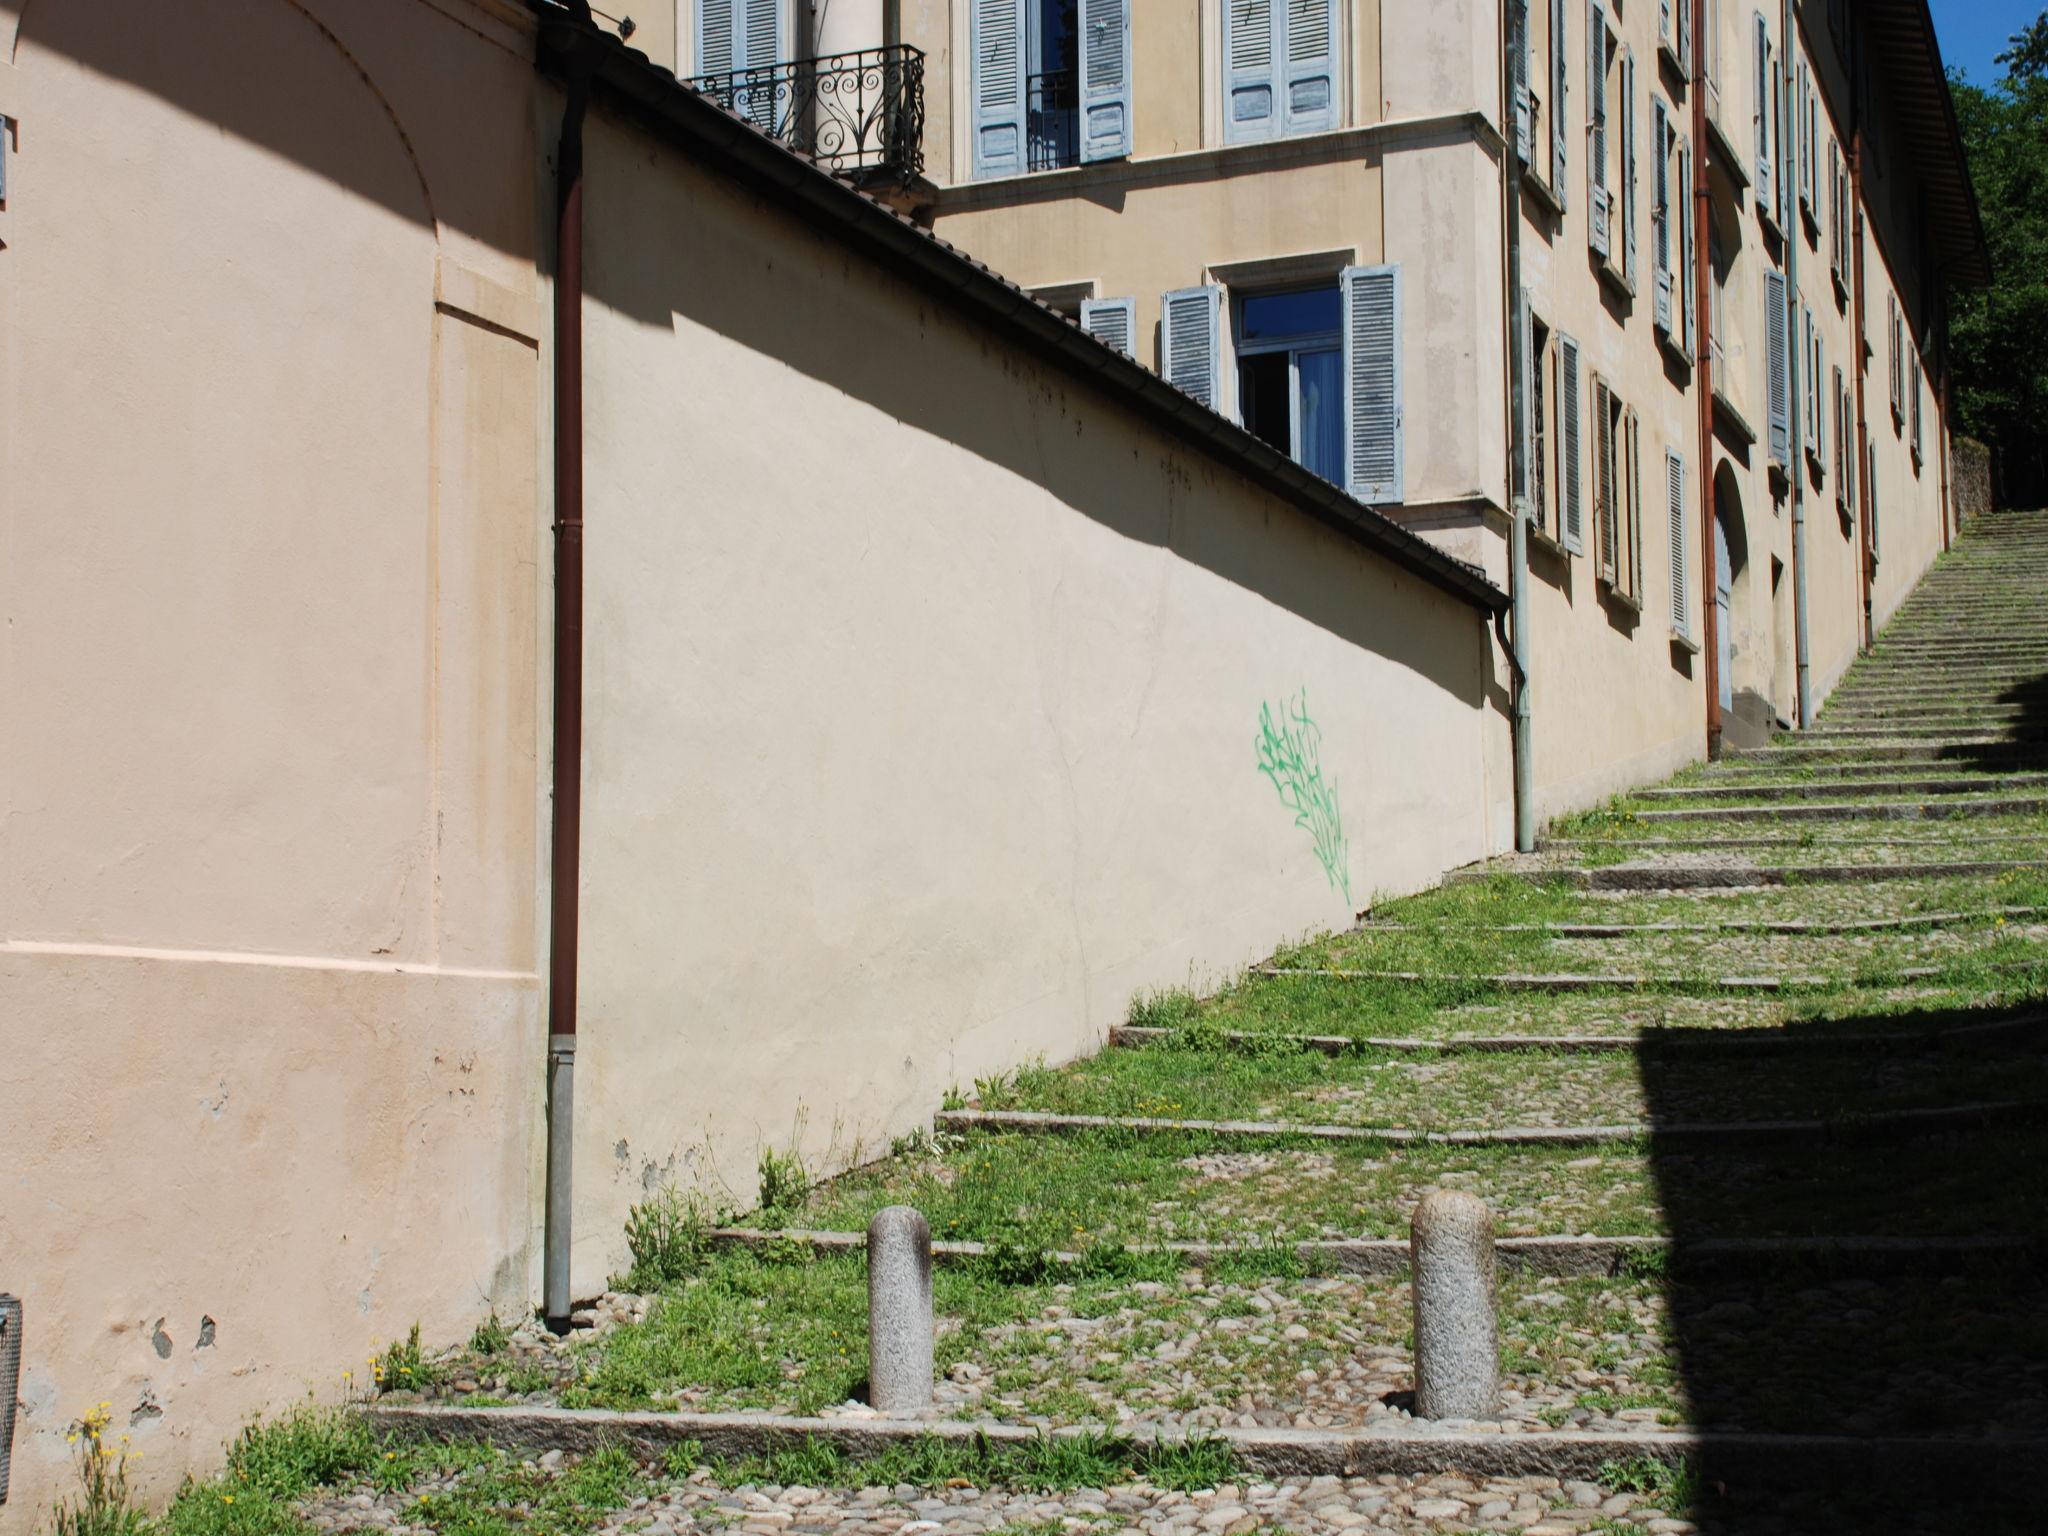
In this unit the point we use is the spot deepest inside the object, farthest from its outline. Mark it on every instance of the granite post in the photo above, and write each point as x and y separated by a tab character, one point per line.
899	1311
1457	1353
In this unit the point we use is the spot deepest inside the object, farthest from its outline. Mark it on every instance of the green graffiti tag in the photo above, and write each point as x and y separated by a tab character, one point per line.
1290	754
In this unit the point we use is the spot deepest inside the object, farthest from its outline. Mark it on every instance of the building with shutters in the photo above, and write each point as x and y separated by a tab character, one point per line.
1295	211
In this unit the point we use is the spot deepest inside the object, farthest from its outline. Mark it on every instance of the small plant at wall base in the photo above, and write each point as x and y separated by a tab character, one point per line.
403	1366
1290	754
784	1180
101	1507
668	1236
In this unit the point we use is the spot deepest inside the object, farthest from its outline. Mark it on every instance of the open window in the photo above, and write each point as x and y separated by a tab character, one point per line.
1617	495
1290	374
1050	82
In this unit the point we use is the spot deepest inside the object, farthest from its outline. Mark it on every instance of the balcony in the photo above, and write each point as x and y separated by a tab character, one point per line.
1052	120
859	115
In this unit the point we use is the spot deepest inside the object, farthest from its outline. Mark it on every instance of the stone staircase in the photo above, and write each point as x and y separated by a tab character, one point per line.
1751	1069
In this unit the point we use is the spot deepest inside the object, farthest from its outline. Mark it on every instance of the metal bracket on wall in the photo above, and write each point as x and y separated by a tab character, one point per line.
10	1381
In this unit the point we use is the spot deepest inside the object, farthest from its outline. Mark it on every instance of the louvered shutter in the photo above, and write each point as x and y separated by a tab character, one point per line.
1688	257
1685	38
1191	343
1309	94
1560	93
1605	512
1820	409
1525	115
1634	429
1527	509
1776	365
1870	497
1105	79
1598	202
1800	140
1763	112
1665	20
1111	322
1918	394
1372	382
1681	564
761	35
1660	209
1570	438
719	39
1248	52
1628	165
998	87
1898	373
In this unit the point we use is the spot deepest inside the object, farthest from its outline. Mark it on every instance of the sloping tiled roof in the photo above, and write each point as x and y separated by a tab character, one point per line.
733	145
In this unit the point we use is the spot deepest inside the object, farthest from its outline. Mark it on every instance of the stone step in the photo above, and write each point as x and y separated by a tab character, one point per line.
1881	1125
1991	710
1856	811
2021	733
1797	789
1794	927
1673	982
1743	876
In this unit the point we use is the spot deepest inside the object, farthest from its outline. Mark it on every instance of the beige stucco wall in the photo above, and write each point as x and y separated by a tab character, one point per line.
923	725
268	397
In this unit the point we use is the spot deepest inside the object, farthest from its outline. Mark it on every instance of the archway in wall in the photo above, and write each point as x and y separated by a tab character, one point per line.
1743	656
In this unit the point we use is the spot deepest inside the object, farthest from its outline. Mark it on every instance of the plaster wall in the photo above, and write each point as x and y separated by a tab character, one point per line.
268	397
923	728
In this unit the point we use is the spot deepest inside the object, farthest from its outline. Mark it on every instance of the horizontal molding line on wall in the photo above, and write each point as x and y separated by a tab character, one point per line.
246	957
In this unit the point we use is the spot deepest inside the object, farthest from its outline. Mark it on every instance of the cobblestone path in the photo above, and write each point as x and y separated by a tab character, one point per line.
1748	1065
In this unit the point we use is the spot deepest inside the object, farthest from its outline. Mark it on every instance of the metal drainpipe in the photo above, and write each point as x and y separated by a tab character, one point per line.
1804	706
1703	294
1518	449
565	860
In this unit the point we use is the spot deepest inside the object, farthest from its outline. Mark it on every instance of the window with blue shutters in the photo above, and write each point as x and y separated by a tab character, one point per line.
738	36
1570	450
1050	83
1560	92
1113	322
1777	368
1190	343
1280	68
1599	200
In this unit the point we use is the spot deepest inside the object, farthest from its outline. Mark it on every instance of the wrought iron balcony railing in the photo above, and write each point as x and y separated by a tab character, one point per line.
1052	120
860	115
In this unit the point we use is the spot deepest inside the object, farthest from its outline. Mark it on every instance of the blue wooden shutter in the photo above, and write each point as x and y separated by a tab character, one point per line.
1820	409
1599	203
1681	562
1688	257
998	87
1190	344
1248	53
1309	96
1570	438
719	46
1112	322
1372	382
1525	115
762	23
1777	391
1560	92
1763	112
1105	79
1628	166
1660	209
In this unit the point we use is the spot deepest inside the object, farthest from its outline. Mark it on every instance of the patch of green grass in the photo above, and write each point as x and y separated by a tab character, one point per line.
668	1236
1674	1486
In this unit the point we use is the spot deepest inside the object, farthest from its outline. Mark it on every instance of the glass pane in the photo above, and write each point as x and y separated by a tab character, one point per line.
1262	396
1309	312
1322	413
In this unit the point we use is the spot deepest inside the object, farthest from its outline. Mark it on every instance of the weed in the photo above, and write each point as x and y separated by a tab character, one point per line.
491	1335
785	1182
102	1506
1673	1485
403	1366
668	1236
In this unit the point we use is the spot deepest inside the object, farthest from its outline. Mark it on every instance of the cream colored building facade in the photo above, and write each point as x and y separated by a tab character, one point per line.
1164	170
929	654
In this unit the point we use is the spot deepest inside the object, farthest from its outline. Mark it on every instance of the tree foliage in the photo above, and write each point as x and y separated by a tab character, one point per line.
2000	334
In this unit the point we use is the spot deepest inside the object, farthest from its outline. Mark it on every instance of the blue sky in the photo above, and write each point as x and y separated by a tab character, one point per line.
1974	32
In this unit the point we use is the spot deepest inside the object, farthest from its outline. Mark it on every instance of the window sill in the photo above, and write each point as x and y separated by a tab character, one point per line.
1609	592
1768	217
1541	539
1615	278
1675	349
1722	151
1543	193
1841	285
1680	641
1732	419
1667	55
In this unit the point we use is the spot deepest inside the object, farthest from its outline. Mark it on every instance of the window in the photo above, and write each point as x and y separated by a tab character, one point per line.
1280	68
1557	503
1845	445
1681	557
1560	93
1617	493
1663	239
1840	225
1898	360
1540	132
1542	412
1627	262
1673	236
1717	294
1674	34
1764	108
1814	395
1051	83
1913	362
1317	371
1290	375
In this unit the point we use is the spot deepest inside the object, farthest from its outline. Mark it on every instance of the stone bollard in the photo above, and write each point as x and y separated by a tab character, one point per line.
899	1311
1457	1353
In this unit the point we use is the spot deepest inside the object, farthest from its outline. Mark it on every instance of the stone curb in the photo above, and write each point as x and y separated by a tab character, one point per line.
1883	810
1799	789
1420	1452
1794	927
1680	985
1898	1122
1680	1039
1561	1257
1701	877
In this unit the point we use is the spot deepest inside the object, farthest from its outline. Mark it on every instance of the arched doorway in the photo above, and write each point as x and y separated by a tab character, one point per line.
1742	706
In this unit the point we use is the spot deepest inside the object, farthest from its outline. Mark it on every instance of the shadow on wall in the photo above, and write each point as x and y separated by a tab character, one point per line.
1923	1339
674	245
